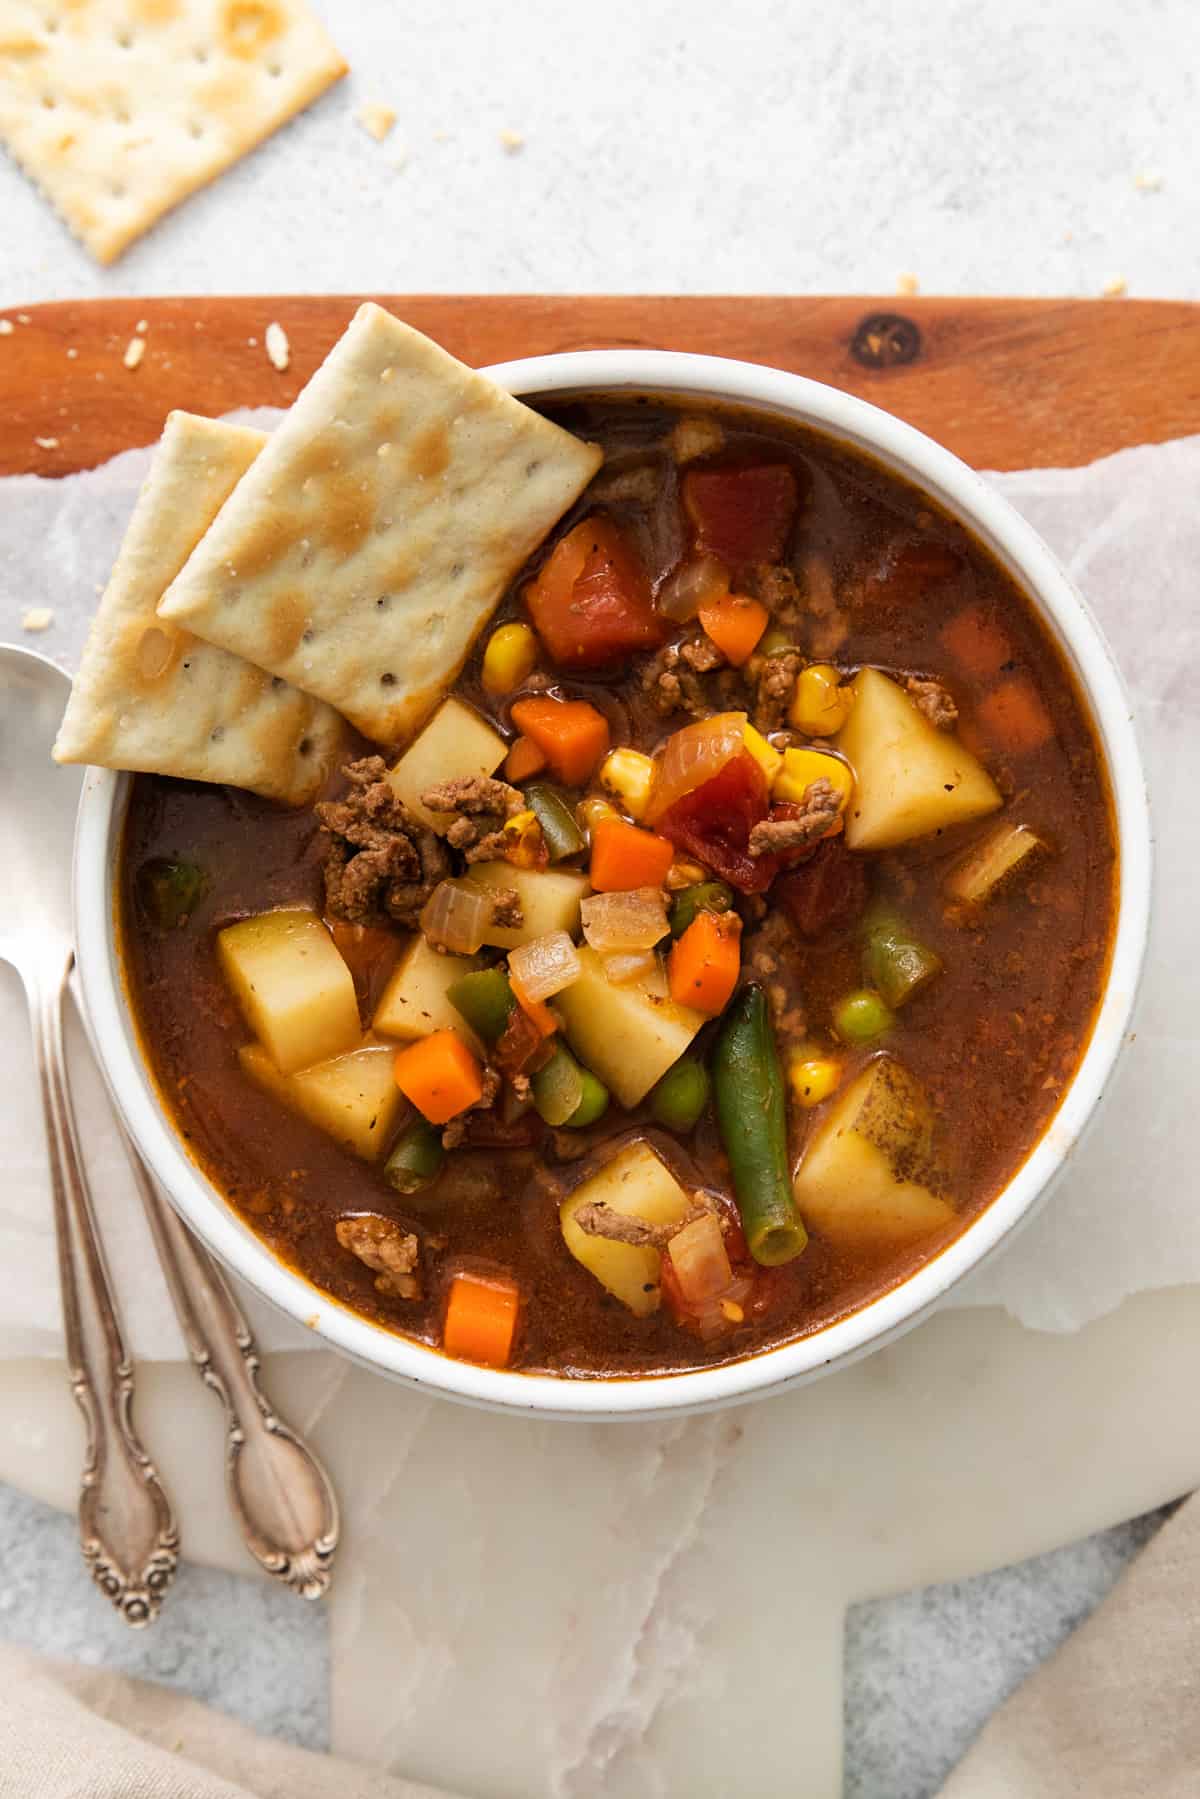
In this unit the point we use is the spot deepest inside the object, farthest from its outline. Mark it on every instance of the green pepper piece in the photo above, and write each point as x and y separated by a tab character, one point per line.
681	1096
705	896
752	1116
861	1017
593	1105
775	641
485	1000
417	1157
560	833
558	1088
895	962
170	889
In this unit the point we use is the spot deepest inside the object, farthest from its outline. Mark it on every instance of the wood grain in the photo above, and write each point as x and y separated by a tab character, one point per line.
1005	383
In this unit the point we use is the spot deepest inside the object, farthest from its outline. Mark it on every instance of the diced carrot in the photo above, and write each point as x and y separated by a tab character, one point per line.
439	1075
705	962
571	734
481	1318
1014	716
735	623
524	760
977	643
625	856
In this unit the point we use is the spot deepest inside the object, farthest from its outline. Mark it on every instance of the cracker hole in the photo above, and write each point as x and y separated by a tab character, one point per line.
387	680
200	53
125	40
49	102
457	570
304	747
195	129
384	601
117	190
51	27
122	115
306	636
276	683
274	70
216	734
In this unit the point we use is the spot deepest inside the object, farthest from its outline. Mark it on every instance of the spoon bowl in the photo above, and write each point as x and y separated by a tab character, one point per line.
38	802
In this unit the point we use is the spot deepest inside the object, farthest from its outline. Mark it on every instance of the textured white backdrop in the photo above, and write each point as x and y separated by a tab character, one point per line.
683	146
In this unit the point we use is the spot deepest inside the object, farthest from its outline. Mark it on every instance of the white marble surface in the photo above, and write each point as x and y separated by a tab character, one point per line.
775	146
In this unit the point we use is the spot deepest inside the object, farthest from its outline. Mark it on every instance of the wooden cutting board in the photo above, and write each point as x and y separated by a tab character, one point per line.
1004	383
969	1443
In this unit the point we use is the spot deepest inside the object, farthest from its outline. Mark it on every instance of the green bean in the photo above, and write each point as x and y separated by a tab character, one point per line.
593	1105
485	999
862	1016
895	962
417	1157
561	834
681	1096
705	896
170	889
752	1116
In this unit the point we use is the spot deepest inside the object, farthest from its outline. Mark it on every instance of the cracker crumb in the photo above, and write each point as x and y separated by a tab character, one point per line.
1147	181
512	142
37	618
141	327
1114	287
277	346
253	342
46	443
23	318
135	349
72	352
6	327
907	284
376	120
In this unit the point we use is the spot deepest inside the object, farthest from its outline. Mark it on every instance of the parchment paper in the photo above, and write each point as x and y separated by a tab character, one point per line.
1125	1217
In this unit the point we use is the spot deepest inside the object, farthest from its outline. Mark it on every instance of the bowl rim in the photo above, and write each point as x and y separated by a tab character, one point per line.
902	449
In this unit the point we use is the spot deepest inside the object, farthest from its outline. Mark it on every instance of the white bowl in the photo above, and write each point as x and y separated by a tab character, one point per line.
1017	547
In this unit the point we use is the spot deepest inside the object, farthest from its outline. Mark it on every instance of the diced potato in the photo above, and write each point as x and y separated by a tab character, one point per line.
550	899
637	1183
414	1002
455	744
628	1034
858	1183
352	1097
1006	854
295	991
910	779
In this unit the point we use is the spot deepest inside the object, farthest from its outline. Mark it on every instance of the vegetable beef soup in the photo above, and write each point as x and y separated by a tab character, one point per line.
716	951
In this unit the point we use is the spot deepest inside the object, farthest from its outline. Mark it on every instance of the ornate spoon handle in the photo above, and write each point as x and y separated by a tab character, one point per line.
126	1526
280	1494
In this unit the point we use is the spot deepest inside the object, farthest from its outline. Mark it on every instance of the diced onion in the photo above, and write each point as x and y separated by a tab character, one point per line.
618	922
700	1261
544	967
717	1317
457	915
1006	853
693	756
692	585
624	967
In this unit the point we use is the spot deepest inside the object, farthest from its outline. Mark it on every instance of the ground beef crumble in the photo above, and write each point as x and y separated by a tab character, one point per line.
600	1220
480	805
774	679
382	863
457	1128
769	952
776	586
672	679
388	1251
932	699
818	810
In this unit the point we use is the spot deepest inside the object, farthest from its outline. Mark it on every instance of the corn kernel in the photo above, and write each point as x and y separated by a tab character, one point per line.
508	660
820	705
813	1078
522	840
768	759
591	811
731	1310
684	873
802	767
628	776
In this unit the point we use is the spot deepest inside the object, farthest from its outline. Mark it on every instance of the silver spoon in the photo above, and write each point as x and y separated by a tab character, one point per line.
126	1526
279	1492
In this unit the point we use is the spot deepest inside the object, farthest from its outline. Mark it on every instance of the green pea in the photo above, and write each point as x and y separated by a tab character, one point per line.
593	1105
681	1096
862	1016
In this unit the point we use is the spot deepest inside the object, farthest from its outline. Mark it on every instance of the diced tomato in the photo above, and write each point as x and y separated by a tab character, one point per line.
713	822
906	570
591	602
830	888
742	514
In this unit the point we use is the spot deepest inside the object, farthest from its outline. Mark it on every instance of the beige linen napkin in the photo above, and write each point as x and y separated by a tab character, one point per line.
1115	1714
69	1732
